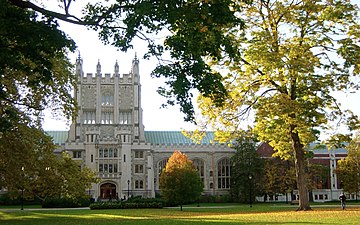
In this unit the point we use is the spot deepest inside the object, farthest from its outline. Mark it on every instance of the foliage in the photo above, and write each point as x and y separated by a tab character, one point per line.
189	31
279	177
348	169
6	199
180	182
318	176
27	162
65	202
66	179
137	204
246	171
294	55
35	72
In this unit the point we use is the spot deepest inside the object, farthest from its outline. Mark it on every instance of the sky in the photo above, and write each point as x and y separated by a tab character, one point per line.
92	51
154	117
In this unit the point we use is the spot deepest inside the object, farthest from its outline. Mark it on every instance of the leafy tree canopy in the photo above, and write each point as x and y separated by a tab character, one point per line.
293	56
31	165
193	31
34	70
348	169
247	170
180	182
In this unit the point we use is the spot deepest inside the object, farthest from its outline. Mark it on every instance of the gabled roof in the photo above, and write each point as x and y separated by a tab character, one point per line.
153	137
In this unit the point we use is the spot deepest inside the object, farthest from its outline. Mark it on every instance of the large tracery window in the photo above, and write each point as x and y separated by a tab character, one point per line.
224	173
162	165
200	167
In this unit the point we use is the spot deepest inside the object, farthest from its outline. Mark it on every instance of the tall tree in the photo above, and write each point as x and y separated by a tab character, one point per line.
180	182
190	30
348	169
35	72
28	163
246	170
295	55
279	177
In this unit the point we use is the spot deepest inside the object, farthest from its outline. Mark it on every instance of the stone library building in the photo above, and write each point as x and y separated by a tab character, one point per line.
108	137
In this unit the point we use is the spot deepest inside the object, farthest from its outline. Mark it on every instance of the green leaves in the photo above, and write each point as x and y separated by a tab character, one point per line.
348	169
27	162
180	182
34	69
246	162
291	57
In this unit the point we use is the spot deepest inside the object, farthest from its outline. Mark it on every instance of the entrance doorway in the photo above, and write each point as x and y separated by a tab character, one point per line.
108	191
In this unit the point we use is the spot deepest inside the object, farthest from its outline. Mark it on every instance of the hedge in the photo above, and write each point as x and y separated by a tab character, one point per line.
132	204
65	202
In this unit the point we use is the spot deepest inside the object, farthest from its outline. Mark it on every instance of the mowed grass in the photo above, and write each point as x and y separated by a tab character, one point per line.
206	214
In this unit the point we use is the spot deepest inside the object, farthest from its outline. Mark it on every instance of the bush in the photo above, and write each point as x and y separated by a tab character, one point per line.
65	202
135	203
6	199
215	199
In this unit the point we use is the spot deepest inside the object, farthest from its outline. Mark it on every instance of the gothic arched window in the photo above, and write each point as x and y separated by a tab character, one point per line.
224	173
200	167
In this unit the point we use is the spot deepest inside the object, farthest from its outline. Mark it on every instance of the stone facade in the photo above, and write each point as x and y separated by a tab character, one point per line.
108	137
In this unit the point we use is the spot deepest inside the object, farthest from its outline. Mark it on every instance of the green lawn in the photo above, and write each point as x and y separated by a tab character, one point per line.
206	214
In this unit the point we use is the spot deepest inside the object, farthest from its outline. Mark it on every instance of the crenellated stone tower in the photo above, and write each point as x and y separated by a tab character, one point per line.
108	134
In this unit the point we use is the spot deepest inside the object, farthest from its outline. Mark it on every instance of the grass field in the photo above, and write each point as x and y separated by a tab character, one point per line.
206	214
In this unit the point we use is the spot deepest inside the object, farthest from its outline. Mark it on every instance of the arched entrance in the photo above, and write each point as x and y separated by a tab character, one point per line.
108	191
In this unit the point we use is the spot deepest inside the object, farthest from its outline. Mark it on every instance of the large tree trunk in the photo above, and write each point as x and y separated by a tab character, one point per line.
300	171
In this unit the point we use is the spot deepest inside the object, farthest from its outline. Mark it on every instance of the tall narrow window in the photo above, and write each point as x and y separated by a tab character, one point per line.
224	173
125	117
107	99
161	165
89	117
107	117
199	165
105	168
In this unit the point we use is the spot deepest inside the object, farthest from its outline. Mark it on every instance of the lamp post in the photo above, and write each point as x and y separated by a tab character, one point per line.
22	188
250	190
128	188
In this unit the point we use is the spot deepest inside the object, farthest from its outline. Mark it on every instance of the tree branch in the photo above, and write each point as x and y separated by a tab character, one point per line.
65	17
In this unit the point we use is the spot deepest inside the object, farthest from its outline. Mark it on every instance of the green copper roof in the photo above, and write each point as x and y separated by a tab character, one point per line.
154	137
59	137
174	137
